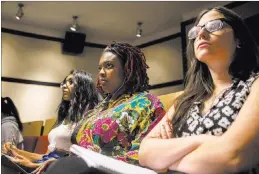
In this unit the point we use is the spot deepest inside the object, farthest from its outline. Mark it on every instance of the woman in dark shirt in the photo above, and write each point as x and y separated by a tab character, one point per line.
213	127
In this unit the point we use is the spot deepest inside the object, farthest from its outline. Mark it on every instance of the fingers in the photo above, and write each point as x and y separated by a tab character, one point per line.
163	134
8	145
17	156
4	149
13	153
41	170
7	148
18	159
15	160
43	167
166	130
169	131
36	170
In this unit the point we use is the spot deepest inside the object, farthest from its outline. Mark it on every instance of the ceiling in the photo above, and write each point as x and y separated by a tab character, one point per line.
101	21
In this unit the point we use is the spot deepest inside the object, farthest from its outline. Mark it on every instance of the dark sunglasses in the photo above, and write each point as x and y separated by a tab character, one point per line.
67	82
210	26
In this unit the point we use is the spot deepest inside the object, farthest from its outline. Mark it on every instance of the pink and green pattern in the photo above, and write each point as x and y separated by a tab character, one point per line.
118	131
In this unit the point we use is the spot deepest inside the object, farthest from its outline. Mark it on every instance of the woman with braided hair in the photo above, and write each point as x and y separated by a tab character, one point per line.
118	124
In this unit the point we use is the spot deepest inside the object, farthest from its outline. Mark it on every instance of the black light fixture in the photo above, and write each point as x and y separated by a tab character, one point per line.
74	27
139	30
19	13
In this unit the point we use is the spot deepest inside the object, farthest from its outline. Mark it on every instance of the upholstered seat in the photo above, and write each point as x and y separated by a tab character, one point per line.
168	99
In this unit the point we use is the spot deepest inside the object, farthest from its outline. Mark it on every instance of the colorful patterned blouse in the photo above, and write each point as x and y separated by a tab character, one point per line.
118	130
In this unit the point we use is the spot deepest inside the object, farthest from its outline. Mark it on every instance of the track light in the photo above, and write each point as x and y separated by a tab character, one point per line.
74	27
19	13
139	30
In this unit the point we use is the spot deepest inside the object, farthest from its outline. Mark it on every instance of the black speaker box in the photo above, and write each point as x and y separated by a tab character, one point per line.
73	43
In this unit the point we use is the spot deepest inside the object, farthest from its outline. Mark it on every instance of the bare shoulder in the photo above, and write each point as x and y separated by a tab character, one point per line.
255	85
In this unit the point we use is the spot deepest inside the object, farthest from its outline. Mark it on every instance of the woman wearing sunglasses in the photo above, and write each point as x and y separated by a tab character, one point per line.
79	96
213	127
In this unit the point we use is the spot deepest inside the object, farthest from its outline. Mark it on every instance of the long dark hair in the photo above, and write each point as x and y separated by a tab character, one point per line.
84	97
199	83
9	109
134	65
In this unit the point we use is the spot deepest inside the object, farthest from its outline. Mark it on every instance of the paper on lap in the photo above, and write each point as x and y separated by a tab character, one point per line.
108	164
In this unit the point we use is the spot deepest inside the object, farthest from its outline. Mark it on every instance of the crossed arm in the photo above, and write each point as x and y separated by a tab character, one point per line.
236	150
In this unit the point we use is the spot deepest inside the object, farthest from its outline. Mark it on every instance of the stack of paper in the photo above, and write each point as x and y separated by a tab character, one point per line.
108	164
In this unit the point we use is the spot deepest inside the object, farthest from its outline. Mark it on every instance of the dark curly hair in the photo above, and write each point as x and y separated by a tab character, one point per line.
134	65
84	97
9	109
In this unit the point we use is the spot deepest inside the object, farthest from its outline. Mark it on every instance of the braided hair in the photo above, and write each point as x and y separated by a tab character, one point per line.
134	65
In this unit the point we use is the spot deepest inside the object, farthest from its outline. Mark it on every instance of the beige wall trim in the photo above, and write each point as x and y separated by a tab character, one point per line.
49	38
163	39
167	84
31	82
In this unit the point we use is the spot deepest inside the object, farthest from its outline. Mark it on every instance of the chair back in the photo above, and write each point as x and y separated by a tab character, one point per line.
32	128
168	99
49	123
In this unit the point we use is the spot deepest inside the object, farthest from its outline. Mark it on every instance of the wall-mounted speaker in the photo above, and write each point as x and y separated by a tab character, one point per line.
73	43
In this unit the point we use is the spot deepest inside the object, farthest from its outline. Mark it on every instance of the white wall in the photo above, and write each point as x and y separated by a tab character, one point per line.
39	60
34	102
165	62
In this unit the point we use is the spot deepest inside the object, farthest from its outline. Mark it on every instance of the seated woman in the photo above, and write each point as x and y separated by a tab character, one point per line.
118	124
11	125
79	96
215	122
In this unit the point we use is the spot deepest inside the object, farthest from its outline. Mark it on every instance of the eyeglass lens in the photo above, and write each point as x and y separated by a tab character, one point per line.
210	26
67	82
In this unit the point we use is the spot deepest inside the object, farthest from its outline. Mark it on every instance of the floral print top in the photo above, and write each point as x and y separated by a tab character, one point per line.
222	114
118	130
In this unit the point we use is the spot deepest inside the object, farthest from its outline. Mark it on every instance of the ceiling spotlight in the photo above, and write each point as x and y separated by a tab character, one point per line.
139	30
19	13
74	27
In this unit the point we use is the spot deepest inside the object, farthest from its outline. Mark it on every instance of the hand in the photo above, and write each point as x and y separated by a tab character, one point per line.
8	148
21	160
43	166
166	129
